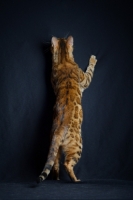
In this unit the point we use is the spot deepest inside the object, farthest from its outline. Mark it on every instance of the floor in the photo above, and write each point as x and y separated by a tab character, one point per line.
92	189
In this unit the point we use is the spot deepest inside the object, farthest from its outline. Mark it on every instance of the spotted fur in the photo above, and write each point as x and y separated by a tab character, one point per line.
69	82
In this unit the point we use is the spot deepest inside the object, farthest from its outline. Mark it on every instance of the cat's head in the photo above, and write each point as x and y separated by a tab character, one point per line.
62	49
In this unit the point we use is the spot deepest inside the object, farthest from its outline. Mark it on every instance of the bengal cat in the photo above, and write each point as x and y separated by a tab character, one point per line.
68	82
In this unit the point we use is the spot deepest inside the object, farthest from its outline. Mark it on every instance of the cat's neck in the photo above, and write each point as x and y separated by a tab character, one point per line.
63	60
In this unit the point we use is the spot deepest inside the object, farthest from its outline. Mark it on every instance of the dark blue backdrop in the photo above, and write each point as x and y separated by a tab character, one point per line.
103	28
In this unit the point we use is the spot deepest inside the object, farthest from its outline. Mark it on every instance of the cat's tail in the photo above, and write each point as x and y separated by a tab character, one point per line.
55	144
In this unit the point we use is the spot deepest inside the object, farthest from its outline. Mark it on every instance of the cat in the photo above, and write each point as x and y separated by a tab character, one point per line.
69	82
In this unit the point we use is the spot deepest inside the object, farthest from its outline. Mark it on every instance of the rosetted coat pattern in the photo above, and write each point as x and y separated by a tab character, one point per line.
68	82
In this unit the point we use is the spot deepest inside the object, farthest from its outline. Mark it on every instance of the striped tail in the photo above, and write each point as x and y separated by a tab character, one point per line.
56	142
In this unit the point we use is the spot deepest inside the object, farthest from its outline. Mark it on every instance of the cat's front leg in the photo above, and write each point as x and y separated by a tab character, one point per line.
87	76
90	69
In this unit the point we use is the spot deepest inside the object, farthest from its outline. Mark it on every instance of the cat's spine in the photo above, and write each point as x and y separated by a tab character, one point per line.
55	144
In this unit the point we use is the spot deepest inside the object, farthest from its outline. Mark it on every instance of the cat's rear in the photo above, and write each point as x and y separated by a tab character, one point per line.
68	81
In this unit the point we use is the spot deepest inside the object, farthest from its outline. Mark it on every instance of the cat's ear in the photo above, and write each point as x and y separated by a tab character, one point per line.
54	41
70	40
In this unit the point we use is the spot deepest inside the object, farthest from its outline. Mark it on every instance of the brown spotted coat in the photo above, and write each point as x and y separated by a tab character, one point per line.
69	82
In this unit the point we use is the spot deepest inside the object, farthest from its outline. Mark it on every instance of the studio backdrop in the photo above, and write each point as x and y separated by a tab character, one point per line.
100	28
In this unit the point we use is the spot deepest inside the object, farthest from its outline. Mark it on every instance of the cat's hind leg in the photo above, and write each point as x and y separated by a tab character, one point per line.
56	166
70	161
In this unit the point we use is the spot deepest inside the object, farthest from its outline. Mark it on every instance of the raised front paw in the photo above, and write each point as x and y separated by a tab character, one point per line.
92	60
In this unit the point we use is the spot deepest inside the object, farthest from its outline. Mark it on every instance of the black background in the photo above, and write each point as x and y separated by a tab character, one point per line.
102	28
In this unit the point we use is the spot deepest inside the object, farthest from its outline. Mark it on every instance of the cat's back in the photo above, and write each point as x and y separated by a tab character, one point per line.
65	71
68	93
68	77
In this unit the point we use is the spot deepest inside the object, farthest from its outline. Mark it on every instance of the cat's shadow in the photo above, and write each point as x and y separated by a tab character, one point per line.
42	142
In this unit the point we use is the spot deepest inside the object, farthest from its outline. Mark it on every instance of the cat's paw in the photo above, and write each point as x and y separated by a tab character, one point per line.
78	180
93	60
